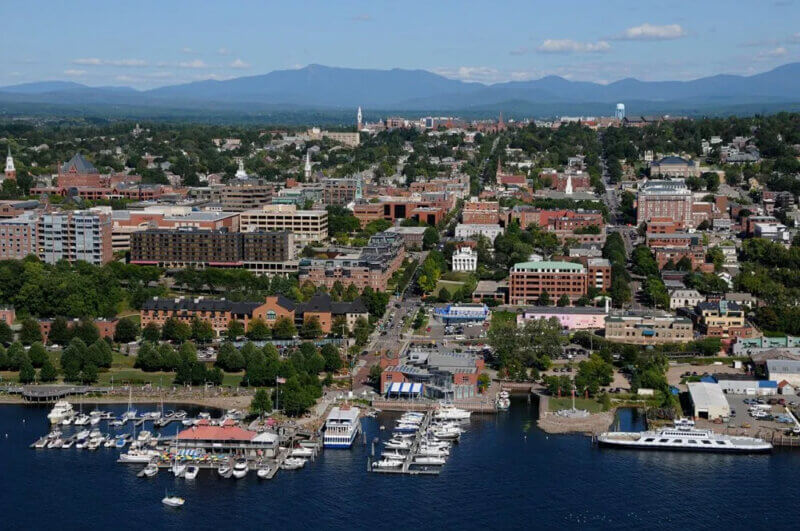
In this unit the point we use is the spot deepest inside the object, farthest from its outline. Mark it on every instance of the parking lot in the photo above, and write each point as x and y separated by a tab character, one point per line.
742	419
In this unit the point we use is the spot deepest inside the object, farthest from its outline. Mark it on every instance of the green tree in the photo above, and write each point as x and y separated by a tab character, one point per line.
430	238
284	328
202	331
37	354
48	372
175	330
89	374
6	334
361	331
333	360
311	329
375	374
151	332
126	331
261	403
60	332
27	373
235	330
87	331
544	299
563	300
30	332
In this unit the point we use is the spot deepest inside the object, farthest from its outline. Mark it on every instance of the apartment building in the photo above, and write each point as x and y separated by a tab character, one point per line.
240	195
371	266
307	225
74	235
126	222
18	237
341	191
481	213
261	252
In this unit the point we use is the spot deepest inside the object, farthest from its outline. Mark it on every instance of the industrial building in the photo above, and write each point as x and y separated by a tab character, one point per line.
708	400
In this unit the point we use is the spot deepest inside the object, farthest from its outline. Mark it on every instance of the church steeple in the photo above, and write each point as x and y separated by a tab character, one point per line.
307	171
11	171
358	119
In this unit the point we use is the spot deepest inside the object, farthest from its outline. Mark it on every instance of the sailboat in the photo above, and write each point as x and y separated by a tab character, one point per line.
131	413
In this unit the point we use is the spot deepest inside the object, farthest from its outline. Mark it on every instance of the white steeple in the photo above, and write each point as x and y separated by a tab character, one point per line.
568	188
240	173
11	172
307	171
358	118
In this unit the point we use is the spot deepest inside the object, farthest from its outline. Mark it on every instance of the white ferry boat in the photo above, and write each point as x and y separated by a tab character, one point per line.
683	436
341	427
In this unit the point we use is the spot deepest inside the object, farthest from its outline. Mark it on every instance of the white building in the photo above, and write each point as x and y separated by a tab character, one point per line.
708	400
465	260
684	298
489	230
779	370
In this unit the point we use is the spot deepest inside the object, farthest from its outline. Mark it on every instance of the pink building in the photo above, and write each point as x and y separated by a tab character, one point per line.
570	317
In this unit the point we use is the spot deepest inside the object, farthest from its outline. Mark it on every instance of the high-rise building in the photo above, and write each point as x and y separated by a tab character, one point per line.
306	225
74	235
665	199
619	114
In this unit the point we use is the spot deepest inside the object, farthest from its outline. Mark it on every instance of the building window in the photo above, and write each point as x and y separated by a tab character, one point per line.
271	316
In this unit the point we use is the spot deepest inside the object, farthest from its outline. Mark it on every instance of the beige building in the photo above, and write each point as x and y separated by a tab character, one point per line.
348	139
649	328
307	225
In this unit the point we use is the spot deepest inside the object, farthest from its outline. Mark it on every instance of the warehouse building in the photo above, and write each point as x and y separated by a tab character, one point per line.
708	400
779	370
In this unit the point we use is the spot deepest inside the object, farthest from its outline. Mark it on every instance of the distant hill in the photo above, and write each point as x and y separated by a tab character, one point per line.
324	88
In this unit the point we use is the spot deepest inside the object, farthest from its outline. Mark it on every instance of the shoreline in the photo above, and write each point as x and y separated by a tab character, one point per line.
215	402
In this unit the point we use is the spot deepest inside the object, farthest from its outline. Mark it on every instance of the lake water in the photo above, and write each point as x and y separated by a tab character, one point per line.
504	474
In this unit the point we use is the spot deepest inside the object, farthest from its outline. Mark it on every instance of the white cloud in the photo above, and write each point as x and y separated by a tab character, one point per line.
650	32
224	51
238	63
94	61
186	49
570	46
74	73
483	74
780	51
795	38
197	63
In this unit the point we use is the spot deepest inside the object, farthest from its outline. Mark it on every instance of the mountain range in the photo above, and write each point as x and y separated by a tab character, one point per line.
334	89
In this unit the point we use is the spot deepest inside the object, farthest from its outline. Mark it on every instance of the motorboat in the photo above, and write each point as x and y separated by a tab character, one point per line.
150	470
447	434
191	472
301	451
293	463
173	501
178	469
68	443
41	443
144	436
61	410
398	444
81	435
263	472
55	443
110	442
387	463
67	421
81	420
152	415
95	434
95	417
224	470
82	443
240	469
429	460
122	440
406	427
502	401
138	456
94	444
450	412
393	455
341	428
427	451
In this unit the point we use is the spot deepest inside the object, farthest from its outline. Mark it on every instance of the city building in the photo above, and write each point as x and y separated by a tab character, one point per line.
528	280
412	236
472	231
438	375
480	213
666	200
462	313
126	222
465	259
342	191
244	194
18	237
371	266
780	370
648	328
684	298
261	252
722	319
307	225
74	235
674	167
569	317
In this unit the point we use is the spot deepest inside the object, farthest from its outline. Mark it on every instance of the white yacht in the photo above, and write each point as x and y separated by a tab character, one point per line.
341	427
683	436
387	463
263	472
61	410
425	460
81	420
293	463
151	470
450	412
240	469
301	452
138	456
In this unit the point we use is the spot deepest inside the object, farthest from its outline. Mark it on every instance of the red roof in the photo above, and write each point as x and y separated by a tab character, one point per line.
513	179
227	432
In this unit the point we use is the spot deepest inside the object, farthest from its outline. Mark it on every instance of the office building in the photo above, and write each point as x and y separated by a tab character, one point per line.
307	225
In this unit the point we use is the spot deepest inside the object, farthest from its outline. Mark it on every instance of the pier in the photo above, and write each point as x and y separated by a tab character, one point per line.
406	468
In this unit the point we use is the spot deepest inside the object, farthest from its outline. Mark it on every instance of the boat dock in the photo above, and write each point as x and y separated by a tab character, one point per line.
409	458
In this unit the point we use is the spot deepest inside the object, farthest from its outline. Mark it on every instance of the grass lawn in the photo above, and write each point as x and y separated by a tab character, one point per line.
589	404
451	286
232	379
456	276
135	376
9	376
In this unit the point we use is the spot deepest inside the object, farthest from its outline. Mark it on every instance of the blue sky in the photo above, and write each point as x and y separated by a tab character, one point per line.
146	43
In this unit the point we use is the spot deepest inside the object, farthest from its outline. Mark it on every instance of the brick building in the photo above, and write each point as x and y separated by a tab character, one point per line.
666	199
528	280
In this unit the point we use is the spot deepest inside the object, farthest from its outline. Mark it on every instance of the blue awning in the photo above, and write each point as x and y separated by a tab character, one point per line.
395	388
416	388
405	388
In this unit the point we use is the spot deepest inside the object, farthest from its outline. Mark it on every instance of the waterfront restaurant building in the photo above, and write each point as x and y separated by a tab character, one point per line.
227	439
